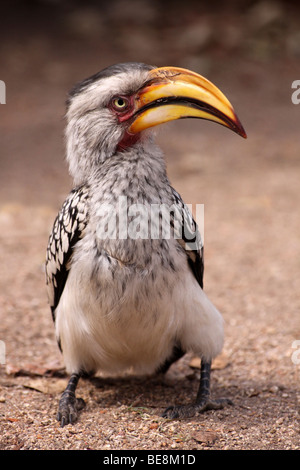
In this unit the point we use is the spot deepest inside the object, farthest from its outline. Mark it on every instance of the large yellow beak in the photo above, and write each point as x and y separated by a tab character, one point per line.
176	93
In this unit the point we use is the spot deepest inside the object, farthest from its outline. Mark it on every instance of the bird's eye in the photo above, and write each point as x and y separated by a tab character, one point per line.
119	103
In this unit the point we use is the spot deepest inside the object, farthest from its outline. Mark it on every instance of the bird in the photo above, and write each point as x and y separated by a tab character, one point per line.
131	300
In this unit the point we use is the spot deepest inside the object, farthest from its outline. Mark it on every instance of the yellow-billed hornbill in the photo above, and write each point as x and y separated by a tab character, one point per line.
134	300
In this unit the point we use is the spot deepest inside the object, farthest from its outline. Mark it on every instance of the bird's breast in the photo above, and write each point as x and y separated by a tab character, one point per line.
133	223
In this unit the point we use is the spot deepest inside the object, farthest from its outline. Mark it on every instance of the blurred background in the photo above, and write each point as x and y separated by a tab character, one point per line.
250	188
250	48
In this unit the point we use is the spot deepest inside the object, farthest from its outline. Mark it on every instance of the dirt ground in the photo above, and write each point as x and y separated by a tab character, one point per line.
250	189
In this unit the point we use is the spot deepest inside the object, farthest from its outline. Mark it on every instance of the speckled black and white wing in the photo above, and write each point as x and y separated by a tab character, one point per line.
67	229
187	233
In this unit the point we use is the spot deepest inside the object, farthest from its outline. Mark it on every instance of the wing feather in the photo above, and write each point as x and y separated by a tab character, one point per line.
189	237
67	229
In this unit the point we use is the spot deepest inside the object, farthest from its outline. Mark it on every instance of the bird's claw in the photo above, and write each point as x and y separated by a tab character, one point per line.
68	408
188	411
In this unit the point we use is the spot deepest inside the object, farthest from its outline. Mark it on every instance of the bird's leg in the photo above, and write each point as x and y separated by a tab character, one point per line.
69	405
177	353
203	401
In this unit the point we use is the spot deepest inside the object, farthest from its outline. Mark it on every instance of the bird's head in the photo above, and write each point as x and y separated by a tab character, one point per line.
114	109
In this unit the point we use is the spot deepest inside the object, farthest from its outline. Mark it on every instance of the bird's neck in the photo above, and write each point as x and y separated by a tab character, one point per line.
123	192
138	172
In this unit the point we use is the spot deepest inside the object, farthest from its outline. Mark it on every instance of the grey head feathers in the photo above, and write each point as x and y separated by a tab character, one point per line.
93	131
108	72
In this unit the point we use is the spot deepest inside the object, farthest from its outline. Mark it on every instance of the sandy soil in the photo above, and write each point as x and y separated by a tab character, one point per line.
250	189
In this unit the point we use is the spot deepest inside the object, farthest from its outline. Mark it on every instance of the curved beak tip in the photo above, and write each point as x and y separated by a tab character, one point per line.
240	129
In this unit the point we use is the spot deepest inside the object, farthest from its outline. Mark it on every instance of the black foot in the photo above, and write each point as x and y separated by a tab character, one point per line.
68	408
69	405
188	411
203	401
